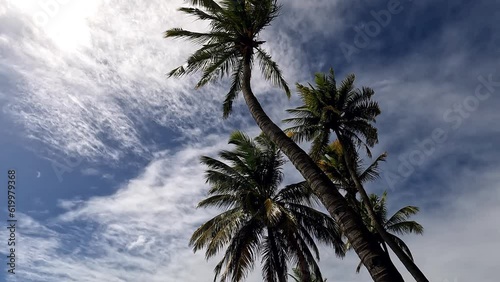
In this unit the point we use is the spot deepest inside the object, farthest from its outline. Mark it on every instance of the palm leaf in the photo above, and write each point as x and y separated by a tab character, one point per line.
402	215
207	4
406	227
271	71
235	88
261	220
358	268
372	171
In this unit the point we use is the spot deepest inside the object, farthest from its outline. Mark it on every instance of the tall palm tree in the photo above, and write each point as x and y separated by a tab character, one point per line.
229	49
334	165
398	223
349	113
259	218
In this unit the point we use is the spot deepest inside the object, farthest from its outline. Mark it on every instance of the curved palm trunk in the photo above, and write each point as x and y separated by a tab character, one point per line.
369	251
407	262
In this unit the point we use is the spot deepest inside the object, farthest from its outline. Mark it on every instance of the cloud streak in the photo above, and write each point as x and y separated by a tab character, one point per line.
142	231
104	98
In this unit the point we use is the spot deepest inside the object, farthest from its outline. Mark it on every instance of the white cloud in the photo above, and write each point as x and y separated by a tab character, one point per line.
137	243
90	171
142	231
107	176
97	102
139	232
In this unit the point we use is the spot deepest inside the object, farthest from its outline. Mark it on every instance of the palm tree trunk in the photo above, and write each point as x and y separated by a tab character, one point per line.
384	246
407	262
369	251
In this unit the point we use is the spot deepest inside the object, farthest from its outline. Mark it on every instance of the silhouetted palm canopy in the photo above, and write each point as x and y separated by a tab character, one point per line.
229	48
334	165
329	108
259	218
348	112
398	223
231	41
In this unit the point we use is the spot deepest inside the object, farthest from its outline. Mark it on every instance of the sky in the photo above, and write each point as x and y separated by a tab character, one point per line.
106	148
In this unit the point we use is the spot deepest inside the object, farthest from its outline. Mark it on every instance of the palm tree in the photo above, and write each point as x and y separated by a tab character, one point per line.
348	112
327	109
229	49
259	218
398	223
333	164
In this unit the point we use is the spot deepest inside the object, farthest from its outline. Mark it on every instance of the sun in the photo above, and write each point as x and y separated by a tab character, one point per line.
69	29
64	22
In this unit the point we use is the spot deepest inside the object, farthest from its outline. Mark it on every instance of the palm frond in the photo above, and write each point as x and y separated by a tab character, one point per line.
274	256
196	37
242	251
299	193
231	41
219	67
246	184
398	223
346	111
372	171
205	234
235	88
345	90
210	5
219	201
358	268
319	144
402	215
406	227
271	71
200	14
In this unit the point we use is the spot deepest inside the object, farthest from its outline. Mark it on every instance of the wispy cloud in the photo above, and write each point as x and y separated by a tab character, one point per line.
90	171
142	231
96	99
99	99
138	232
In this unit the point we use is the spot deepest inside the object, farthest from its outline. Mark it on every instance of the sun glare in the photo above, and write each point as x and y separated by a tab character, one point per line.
63	21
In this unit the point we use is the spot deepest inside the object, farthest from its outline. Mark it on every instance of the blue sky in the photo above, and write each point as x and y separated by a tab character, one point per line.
106	148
